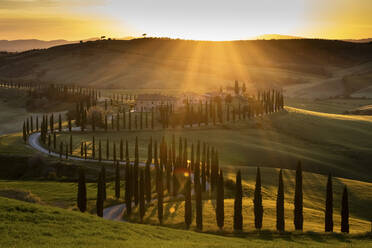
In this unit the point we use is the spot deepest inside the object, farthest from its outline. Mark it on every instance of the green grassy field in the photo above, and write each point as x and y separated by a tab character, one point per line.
31	225
63	194
60	194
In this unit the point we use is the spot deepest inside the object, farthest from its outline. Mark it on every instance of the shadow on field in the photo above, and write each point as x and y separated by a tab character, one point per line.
295	236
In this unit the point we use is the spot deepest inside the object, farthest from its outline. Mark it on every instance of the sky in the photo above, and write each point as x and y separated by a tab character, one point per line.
187	19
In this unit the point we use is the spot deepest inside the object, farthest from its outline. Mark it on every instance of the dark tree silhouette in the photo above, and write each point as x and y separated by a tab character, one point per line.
280	219
257	202
238	217
100	200
188	205
128	188
329	206
199	206
345	212
220	211
117	181
142	196
103	175
82	192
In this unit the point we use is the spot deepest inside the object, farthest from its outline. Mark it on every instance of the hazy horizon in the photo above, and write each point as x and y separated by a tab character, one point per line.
207	20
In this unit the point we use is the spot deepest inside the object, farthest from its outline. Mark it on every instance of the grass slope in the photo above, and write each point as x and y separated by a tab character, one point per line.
337	145
31	225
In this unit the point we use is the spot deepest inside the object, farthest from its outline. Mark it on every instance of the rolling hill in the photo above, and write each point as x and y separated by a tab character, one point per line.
182	64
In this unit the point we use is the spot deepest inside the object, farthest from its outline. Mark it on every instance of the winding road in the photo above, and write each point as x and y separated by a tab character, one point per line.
111	213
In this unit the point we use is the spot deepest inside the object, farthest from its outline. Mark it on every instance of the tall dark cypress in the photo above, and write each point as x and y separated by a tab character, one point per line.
280	218
142	196
220	211
100	200
238	216
329	206
107	149
60	123
188	204
160	196
121	150
70	144
128	188
93	148
199	206
103	175
82	192
345	212
298	200
136	173
117	181
99	151
257	201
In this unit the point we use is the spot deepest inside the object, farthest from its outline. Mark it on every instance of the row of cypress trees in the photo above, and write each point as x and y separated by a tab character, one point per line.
131	199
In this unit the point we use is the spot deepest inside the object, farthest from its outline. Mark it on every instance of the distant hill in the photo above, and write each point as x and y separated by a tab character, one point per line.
25	45
190	65
360	40
276	37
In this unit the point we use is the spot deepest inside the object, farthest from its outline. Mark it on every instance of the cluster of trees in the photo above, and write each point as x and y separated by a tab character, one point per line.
217	111
138	193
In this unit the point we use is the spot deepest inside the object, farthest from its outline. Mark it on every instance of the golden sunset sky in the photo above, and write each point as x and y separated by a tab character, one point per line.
191	19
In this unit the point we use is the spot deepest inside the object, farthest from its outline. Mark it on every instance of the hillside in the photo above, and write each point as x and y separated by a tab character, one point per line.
165	63
42	226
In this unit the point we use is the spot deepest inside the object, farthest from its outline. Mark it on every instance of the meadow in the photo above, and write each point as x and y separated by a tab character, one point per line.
42	226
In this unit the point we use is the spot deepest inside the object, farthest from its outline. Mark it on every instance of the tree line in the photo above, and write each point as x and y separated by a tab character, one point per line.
200	172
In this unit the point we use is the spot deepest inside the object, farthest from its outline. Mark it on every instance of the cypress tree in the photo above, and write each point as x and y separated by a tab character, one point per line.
82	192
54	141
345	212
136	173
100	200
106	126
142	196
160	196
257	201
103	174
129	120
60	123
85	150
329	206
128	187
99	151
220	211
24	133
117	181
280	218
114	152
121	150
298	199
93	148
60	149
188	205
107	149
238	217
152	118
199	206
